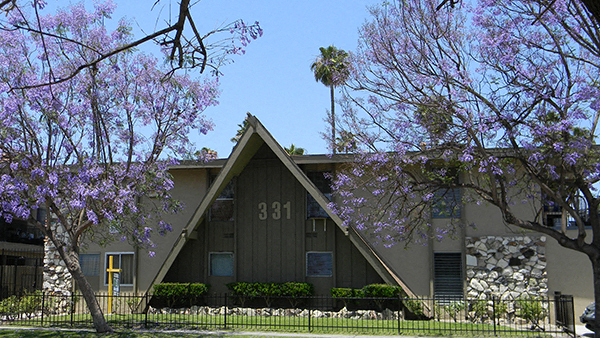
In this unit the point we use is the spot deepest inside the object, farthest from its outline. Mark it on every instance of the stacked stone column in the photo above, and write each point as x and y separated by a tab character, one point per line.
506	267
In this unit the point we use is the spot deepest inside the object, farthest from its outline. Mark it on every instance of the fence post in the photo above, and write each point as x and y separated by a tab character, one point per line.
309	314
146	309
398	314
226	310
494	313
43	306
72	307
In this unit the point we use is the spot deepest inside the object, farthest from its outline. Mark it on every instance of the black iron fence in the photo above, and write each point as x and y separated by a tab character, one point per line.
498	317
20	271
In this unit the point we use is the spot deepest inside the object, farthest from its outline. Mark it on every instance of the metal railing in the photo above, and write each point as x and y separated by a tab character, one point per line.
20	271
498	317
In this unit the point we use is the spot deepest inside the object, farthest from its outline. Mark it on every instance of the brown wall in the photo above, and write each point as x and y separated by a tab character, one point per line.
271	236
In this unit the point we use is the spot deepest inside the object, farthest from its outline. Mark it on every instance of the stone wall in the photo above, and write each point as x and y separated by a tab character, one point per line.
57	279
506	267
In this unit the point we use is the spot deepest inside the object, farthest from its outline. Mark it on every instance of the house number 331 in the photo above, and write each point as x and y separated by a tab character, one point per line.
275	212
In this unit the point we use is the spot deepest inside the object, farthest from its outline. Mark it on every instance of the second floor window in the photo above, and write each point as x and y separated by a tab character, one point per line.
322	181
222	208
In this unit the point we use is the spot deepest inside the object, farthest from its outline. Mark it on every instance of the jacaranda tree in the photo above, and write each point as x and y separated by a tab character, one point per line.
498	98
88	127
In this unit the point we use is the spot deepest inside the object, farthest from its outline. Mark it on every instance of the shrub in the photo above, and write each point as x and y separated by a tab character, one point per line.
453	309
242	291
267	291
296	291
174	294
381	291
9	307
344	294
414	306
30	303
531	309
478	310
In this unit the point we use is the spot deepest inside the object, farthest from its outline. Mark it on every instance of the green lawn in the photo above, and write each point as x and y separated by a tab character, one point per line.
44	333
272	324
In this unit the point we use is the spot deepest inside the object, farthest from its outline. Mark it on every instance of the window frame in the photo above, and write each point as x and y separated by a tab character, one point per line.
227	195
120	253
210	263
325	190
453	195
96	268
330	253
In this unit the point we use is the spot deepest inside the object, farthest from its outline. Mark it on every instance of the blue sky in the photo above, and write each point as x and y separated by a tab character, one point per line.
273	80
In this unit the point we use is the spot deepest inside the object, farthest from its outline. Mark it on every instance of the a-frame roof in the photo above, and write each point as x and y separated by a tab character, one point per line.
253	138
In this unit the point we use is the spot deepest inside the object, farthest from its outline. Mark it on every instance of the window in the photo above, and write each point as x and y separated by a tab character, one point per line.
221	264
222	207
554	215
90	264
448	275
123	261
322	182
319	264
447	203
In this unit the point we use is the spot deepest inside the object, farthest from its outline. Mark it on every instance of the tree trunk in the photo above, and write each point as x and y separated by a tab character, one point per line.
333	145
72	261
596	268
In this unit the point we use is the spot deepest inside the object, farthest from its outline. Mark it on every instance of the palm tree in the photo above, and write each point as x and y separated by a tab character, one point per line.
292	150
241	129
331	68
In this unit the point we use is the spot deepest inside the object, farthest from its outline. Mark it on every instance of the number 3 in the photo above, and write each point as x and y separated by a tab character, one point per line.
262	215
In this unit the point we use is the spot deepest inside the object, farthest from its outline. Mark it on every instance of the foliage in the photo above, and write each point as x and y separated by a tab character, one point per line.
9	307
381	290
415	306
89	124
267	291
294	291
293	150
13	307
175	294
344	294
501	95
331	68
133	303
477	310
454	309
532	309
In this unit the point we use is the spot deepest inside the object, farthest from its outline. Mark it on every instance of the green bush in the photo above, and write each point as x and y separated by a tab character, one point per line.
268	291
478	310
13	306
295	291
344	293
180	294
531	309
243	291
198	289
453	309
30	303
9	307
415	306
381	291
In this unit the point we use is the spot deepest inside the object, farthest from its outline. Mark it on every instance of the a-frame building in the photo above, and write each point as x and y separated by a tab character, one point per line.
264	220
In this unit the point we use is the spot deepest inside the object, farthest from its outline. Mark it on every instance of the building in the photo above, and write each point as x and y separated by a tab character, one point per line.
262	216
